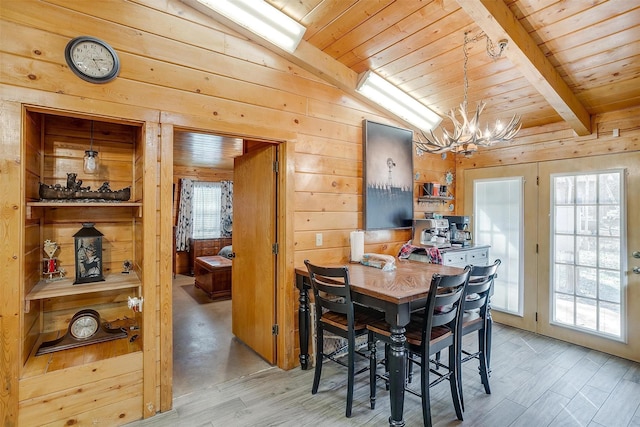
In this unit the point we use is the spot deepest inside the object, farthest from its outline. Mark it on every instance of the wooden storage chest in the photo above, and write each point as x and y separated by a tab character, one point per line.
213	276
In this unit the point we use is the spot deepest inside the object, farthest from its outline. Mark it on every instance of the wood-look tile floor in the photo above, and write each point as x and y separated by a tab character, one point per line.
536	381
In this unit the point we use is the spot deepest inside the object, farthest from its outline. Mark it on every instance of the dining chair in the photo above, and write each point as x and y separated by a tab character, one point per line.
477	317
338	315
430	332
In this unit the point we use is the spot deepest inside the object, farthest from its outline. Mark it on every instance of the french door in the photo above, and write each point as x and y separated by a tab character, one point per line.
587	292
502	202
577	280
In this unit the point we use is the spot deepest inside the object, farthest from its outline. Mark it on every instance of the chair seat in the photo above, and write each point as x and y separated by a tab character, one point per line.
413	332
469	318
362	317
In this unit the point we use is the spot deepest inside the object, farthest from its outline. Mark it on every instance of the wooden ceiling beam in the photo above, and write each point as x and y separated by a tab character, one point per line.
497	21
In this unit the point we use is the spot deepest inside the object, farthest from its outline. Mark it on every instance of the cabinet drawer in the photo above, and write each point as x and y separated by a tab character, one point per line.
455	259
479	257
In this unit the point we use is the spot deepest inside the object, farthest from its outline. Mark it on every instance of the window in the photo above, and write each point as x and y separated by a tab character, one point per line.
498	214
588	252
206	210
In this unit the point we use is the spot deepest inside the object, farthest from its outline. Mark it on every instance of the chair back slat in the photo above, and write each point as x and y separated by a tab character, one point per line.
331	289
446	293
480	285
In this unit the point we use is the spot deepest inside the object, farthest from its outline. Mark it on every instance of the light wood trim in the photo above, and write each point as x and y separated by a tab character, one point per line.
68	105
165	267
11	260
247	130
286	341
497	21
149	160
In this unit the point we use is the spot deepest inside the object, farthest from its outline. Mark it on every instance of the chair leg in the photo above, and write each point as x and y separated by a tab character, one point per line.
351	375
372	370
319	357
484	345
454	380
424	391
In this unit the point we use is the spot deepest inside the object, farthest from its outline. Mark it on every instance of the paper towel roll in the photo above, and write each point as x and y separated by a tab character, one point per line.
357	245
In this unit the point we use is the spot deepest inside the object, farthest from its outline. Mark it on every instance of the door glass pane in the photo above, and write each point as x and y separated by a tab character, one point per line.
498	222
587	279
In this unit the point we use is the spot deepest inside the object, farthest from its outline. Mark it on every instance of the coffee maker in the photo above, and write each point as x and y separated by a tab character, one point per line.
459	233
431	232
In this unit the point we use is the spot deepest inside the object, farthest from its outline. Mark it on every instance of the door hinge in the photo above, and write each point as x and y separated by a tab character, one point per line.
276	166
274	329
274	248
536	316
536	248
537	180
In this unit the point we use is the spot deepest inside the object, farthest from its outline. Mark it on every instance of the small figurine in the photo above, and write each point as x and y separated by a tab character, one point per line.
50	264
126	266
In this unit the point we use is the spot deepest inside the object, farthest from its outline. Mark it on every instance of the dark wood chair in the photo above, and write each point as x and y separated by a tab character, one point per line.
429	332
337	314
477	317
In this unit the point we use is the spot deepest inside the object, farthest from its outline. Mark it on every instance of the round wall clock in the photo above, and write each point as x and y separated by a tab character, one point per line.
92	59
84	328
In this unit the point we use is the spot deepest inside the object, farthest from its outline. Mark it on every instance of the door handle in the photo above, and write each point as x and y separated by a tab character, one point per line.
636	270
636	254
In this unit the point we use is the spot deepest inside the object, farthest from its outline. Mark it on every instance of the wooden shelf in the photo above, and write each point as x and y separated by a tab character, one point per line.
64	204
434	199
65	287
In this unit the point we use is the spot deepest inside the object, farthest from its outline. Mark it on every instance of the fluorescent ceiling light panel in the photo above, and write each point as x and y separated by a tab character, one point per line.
261	19
392	98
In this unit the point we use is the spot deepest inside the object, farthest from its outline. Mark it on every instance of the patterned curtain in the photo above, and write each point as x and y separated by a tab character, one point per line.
185	215
226	209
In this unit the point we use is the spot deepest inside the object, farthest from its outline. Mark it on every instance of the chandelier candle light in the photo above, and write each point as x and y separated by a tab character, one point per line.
467	134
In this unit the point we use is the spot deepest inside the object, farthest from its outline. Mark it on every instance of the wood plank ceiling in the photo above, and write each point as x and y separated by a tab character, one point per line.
565	60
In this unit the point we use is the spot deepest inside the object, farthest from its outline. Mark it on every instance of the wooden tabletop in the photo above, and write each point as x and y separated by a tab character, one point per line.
408	282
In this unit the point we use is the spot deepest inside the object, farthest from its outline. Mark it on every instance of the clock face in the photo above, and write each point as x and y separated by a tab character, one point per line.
84	325
92	59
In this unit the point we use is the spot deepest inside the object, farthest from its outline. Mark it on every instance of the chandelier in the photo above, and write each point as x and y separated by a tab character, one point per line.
467	133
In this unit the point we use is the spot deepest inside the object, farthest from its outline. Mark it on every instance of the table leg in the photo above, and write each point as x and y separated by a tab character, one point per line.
397	368
303	321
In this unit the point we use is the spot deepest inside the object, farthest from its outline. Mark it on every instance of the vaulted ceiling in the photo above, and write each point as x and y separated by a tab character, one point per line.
564	61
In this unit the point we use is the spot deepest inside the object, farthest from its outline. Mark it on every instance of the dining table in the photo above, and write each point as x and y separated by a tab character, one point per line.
397	293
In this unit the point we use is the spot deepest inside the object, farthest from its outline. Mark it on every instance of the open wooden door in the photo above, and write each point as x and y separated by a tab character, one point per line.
254	235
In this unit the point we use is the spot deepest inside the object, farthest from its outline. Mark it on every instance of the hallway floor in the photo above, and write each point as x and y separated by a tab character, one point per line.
205	352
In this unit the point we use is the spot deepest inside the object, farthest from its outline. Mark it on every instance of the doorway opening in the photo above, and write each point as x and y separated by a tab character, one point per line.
205	351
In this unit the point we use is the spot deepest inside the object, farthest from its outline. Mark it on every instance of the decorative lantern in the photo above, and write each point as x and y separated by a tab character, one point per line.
88	246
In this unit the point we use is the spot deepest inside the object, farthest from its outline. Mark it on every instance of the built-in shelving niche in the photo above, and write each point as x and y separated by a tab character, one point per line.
54	146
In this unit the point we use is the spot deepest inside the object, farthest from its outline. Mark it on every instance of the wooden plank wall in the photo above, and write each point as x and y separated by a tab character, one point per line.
181	68
197	75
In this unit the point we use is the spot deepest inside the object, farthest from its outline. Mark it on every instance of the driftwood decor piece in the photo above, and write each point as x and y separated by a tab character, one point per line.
75	191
